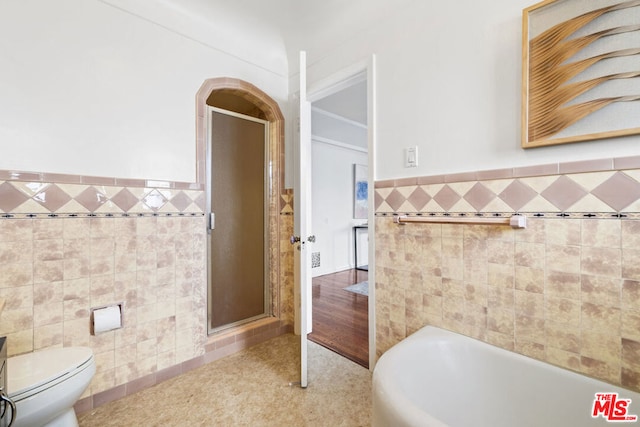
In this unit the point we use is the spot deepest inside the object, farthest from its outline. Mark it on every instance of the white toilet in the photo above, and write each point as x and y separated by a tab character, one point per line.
46	384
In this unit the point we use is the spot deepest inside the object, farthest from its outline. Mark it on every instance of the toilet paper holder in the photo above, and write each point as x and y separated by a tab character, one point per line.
107	318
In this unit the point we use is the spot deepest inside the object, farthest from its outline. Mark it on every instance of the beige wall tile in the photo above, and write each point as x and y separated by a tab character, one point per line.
601	233
565	259
529	304
16	274
16	230
529	279
630	234
601	261
530	329
563	358
566	232
631	354
607	370
563	285
597	317
16	252
501	321
500	252
48	336
601	290
562	336
530	255
631	295
563	310
630	325
19	342
499	276
631	264
601	345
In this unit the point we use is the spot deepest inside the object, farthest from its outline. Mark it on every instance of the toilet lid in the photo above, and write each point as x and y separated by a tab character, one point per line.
28	371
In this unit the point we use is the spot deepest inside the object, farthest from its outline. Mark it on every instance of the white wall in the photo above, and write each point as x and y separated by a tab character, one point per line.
332	206
448	81
91	89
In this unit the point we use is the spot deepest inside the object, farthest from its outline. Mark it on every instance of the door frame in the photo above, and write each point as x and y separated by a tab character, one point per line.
267	309
323	88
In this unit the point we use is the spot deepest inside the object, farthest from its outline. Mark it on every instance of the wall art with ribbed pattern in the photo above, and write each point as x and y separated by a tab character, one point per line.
581	71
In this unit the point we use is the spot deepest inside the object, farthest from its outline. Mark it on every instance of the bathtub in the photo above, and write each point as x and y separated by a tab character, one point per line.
440	378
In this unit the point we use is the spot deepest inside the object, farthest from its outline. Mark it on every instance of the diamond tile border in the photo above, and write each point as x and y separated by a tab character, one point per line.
567	188
68	199
24	198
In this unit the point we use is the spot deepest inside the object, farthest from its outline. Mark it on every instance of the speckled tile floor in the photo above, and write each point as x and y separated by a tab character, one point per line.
251	388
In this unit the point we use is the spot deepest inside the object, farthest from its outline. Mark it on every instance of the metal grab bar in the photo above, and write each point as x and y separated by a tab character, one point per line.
515	221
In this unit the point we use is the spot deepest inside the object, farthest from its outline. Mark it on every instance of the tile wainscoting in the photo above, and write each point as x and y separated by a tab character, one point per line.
85	242
565	290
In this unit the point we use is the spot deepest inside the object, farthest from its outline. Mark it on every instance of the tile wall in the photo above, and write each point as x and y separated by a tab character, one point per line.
68	247
565	290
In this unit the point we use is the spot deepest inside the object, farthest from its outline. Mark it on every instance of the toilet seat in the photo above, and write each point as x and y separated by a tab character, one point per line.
31	373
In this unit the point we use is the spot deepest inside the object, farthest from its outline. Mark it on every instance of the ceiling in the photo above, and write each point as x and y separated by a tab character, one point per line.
269	28
350	103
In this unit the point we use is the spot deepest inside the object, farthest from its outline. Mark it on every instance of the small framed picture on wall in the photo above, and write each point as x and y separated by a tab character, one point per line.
361	192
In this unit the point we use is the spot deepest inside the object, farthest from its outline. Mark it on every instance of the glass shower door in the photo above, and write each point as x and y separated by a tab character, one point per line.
237	253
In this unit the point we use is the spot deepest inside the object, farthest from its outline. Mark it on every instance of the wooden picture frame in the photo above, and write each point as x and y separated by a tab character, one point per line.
580	71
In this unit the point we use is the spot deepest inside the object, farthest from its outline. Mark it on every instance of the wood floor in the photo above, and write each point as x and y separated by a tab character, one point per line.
341	318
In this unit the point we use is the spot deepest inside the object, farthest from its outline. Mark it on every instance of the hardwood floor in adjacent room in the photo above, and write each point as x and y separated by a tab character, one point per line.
341	318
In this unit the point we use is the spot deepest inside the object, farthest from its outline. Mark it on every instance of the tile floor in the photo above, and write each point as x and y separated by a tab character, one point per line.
251	388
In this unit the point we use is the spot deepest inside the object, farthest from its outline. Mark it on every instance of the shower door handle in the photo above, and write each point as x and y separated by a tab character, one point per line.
212	221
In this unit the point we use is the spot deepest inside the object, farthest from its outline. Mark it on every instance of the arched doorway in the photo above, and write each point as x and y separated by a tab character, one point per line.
244	98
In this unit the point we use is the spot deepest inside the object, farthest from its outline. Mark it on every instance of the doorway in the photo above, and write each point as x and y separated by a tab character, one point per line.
339	158
237	251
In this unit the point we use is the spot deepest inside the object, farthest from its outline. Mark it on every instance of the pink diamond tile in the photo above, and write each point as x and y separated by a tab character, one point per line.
378	201
91	199
517	194
201	201
419	198
125	200
155	200
10	197
395	199
564	192
619	191
181	201
52	198
446	198
479	196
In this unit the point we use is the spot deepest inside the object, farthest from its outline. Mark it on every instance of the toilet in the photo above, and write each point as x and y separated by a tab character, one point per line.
46	384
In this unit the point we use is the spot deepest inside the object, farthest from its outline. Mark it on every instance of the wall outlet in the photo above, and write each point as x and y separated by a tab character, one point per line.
315	259
411	157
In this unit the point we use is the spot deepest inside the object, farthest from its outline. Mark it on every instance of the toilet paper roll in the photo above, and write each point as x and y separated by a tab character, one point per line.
107	319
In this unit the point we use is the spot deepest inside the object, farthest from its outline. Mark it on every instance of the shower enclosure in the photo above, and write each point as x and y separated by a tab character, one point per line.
237	216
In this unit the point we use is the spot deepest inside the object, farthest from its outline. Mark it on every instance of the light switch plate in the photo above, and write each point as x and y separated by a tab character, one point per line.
411	157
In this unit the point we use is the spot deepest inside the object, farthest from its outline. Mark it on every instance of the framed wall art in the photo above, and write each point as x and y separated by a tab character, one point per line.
581	71
360	191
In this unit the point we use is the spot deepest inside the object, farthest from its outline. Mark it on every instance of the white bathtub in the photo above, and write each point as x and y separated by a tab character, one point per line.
440	378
